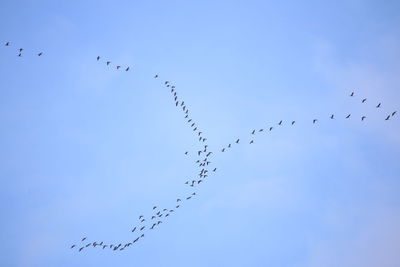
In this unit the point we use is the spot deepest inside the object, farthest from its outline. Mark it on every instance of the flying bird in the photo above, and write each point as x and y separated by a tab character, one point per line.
251	142
394	113
155	76
280	123
363	118
332	116
352	94
98	57
133	230
270	128
83	239
41	53
108	63
253	131
314	120
387	118
20	50
378	106
118	67
81	249
363	100
348	116
73	246
215	169
237	141
20	54
8	44
293	122
154	207
127	69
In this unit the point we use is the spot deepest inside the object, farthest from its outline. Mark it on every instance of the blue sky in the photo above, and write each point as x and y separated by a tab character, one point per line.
86	149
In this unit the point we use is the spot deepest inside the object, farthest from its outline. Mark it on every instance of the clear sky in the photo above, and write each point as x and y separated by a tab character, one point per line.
86	149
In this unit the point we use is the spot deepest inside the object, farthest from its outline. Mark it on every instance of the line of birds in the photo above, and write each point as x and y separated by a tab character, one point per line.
20	50
159	215
108	63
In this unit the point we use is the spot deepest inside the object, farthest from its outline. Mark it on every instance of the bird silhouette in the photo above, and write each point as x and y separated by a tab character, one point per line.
127	69
81	249
363	118
293	122
348	116
332	116
154	207
20	50
280	123
83	239
314	120
378	106
118	67
41	53
98	57
352	94
270	128
387	118
133	230
394	113
7	44
73	246
155	76
108	63
237	141
251	142
363	101
253	131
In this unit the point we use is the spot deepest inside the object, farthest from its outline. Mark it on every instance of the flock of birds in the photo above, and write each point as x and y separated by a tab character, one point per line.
158	215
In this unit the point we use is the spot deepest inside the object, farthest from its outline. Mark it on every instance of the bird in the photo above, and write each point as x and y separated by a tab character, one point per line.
237	141
363	100
186	152
118	67
394	113
20	54
378	106
83	239
251	142
133	230
98	57
348	116
314	120
261	130
141	216
108	63
352	94
223	150
215	169
177	207
280	123
363	118
142	228
293	122
188	198
166	82
332	116
73	246
154	207
270	128
142	220
41	53
7	44
253	131
20	50
387	118
178	200
156	76
127	69
81	249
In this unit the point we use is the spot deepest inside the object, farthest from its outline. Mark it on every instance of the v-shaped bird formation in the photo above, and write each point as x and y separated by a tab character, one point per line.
158	215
